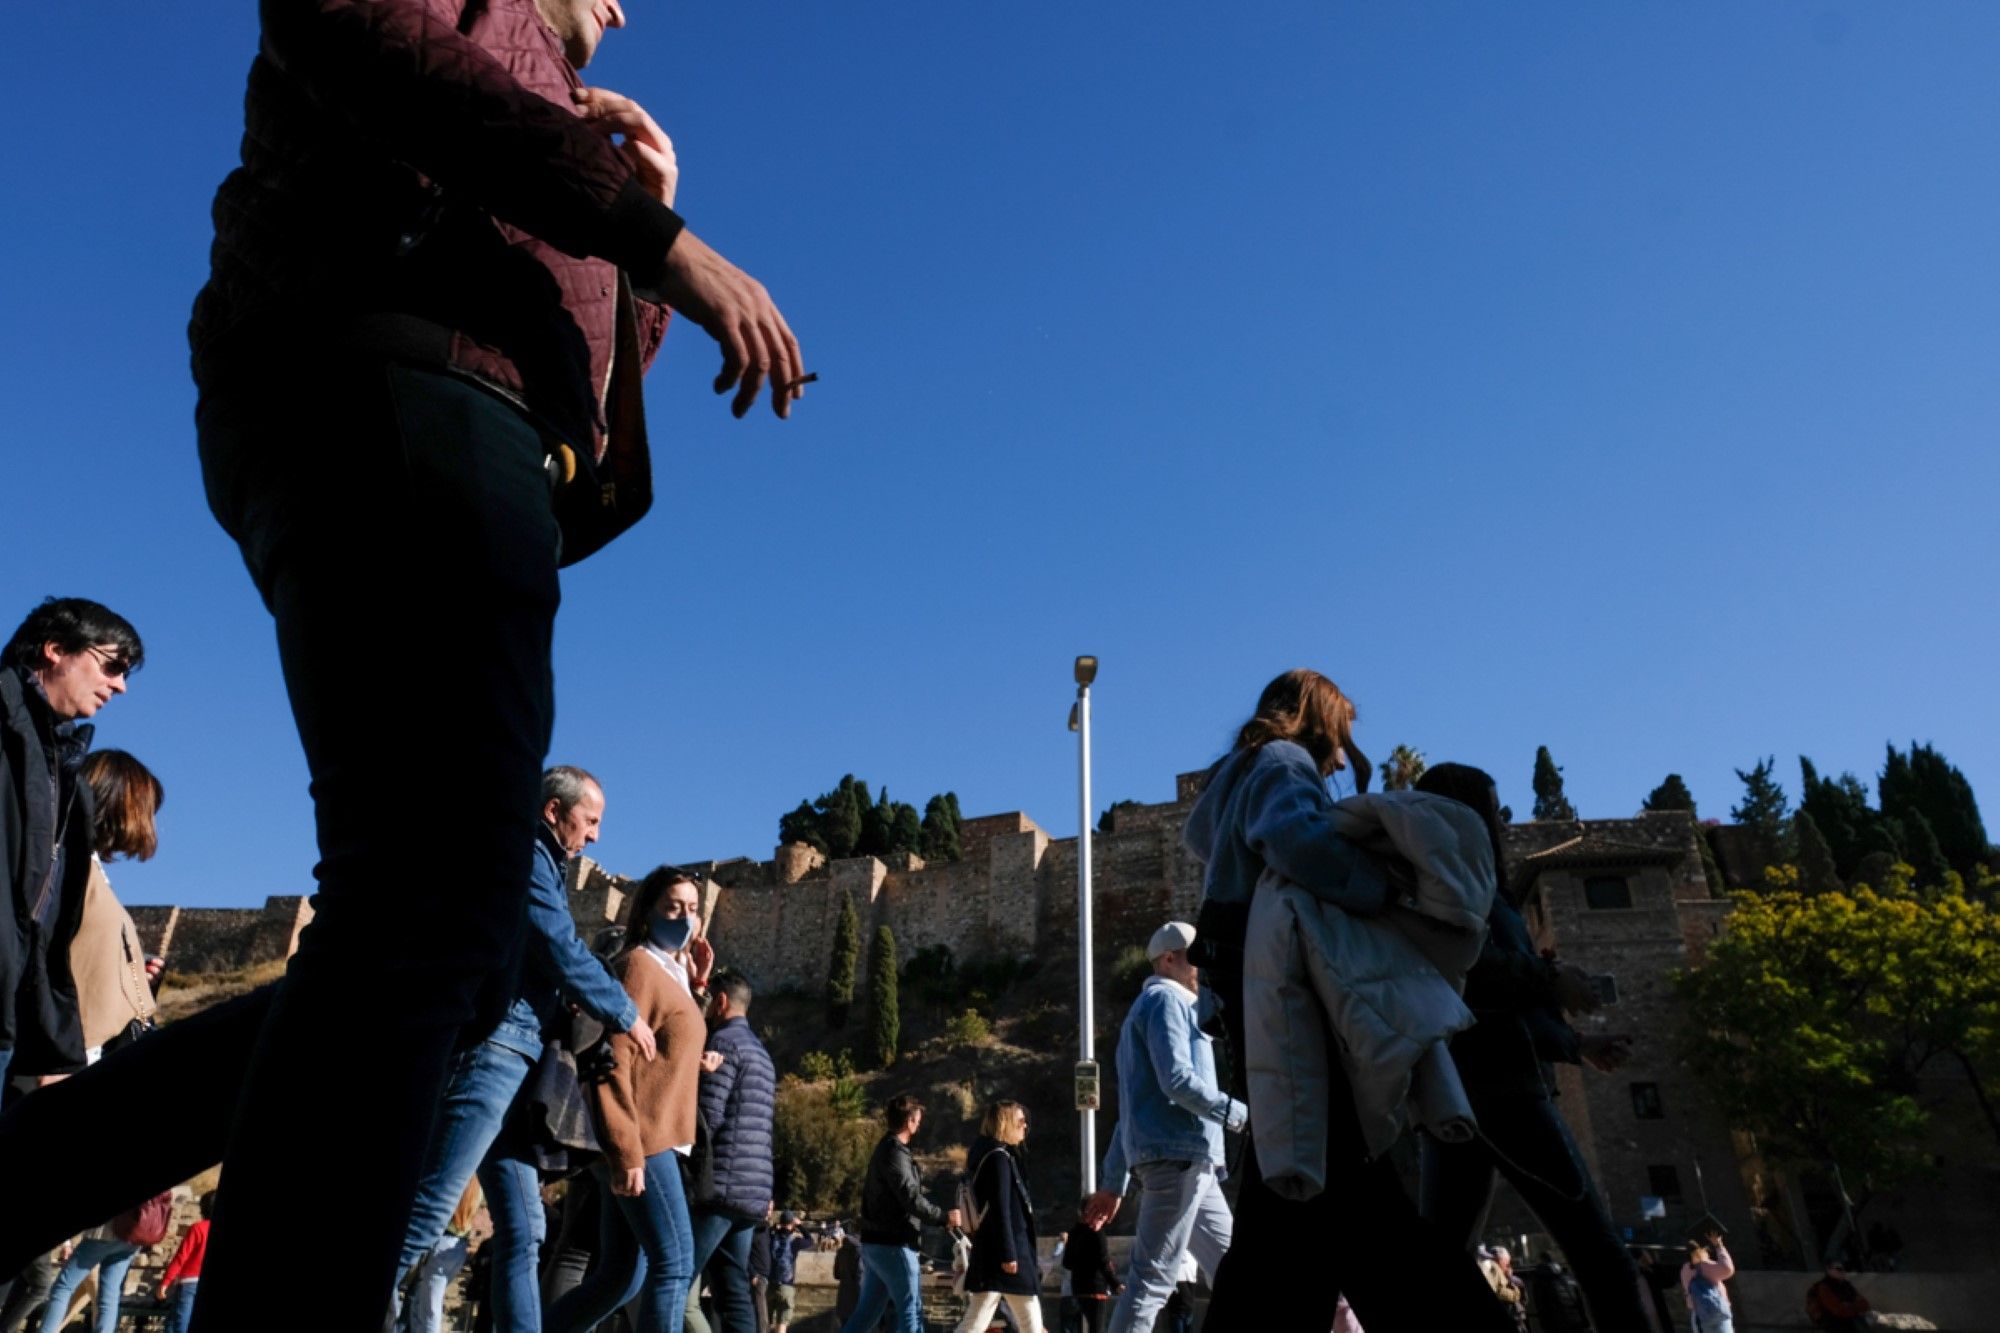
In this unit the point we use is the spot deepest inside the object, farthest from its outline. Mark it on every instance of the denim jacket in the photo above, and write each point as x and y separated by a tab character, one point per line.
558	965
1171	1109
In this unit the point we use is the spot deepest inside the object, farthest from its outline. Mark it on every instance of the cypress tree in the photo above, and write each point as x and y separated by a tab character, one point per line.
885	1023
1711	869
1817	872
940	829
906	831
1673	794
841	967
1924	783
1550	803
1927	858
802	825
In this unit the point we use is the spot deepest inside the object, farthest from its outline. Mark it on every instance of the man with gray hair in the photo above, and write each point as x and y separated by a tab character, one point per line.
1171	1115
485	1077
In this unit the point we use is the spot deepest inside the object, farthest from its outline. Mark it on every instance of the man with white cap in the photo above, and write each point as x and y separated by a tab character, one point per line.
1169	1136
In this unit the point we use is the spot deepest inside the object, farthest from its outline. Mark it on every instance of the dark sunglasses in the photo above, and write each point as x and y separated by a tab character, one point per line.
109	660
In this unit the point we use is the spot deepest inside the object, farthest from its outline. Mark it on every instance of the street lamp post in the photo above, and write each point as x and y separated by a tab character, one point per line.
1086	1068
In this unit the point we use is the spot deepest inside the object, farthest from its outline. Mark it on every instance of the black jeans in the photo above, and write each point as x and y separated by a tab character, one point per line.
397	524
1525	1140
1289	1262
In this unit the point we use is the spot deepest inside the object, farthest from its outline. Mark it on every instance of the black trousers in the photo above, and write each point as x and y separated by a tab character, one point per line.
1289	1262
1525	1140
397	524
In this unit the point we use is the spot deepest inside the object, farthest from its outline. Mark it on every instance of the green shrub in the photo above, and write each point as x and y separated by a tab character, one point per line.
968	1029
815	1066
1129	971
820	1152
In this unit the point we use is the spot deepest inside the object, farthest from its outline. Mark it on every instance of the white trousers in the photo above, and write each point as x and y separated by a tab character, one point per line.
1027	1311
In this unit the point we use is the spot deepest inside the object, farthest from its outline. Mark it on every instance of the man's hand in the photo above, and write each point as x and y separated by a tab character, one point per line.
1010	1267
644	144
642	1036
1604	1053
711	1061
953	1220
1573	990
1100	1208
734	309
49	1080
629	1184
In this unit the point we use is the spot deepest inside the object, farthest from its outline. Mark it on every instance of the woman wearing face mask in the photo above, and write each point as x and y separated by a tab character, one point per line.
646	1120
1265	805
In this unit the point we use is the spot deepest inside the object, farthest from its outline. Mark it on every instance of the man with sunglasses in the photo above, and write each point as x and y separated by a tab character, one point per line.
65	661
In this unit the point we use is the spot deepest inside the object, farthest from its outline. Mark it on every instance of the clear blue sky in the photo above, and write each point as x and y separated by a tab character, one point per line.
1613	377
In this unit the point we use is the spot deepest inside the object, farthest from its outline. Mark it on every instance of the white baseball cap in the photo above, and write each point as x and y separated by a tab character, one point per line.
1174	935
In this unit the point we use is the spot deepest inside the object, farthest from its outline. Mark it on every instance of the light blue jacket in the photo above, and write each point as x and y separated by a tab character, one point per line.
1170	1107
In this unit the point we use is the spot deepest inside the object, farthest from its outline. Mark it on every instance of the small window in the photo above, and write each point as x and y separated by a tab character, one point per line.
1646	1104
1665	1182
1605	987
1607	891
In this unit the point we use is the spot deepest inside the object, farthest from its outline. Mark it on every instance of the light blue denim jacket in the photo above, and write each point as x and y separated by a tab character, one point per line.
1170	1107
559	965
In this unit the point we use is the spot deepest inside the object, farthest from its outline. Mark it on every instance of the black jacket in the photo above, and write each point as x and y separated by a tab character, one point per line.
1521	1029
1007	1223
40	794
893	1206
1088	1262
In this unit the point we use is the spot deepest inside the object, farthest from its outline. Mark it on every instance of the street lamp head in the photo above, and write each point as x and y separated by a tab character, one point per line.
1086	670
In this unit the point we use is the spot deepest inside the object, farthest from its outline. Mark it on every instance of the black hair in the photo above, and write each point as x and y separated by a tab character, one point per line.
72	624
902	1108
735	985
1473	787
207	1204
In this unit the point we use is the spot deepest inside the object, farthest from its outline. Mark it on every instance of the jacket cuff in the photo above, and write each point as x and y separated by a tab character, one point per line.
642	230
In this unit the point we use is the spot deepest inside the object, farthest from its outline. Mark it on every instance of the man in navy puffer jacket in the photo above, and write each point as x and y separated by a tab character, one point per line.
738	1099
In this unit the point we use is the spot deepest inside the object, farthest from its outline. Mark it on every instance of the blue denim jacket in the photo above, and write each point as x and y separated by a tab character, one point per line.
1170	1107
559	965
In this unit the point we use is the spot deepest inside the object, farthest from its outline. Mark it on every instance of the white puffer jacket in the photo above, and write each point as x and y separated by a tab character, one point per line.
1386	985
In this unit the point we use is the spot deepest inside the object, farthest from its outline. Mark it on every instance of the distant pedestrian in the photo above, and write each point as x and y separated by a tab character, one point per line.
183	1271
787	1244
1708	1266
1003	1265
893	1213
739	1106
1093	1282
1835	1304
110	1250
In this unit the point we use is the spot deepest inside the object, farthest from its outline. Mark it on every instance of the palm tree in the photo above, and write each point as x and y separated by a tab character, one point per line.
1402	768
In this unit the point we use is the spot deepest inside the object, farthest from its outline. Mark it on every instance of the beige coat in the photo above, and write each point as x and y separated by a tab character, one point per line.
109	963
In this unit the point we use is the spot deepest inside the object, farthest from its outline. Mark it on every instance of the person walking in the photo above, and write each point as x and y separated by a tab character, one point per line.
114	995
178	1281
1093	1282
110	1250
646	1113
1708	1266
431	1281
739	1105
1168	1138
438	275
1520	999
787	1244
1264	806
893	1213
1003	1267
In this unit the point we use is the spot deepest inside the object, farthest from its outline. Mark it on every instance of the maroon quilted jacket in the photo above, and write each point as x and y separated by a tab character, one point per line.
414	180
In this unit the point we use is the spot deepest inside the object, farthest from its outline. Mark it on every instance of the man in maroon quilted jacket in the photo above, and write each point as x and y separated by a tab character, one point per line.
437	277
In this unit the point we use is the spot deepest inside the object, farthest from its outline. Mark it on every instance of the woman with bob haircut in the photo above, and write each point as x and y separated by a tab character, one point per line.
1003	1266
113	994
645	1115
1265	805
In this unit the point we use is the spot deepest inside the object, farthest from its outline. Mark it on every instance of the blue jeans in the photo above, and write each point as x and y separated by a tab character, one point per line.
482	1085
725	1241
116	1257
514	1199
433	1280
182	1314
889	1278
645	1245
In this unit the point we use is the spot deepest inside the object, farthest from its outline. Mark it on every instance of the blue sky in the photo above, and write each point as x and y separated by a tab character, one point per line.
1610	377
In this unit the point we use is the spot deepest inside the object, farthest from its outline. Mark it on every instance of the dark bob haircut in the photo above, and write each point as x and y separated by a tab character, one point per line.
72	624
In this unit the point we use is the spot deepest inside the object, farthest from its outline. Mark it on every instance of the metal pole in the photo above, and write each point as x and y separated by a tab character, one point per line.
1086	1017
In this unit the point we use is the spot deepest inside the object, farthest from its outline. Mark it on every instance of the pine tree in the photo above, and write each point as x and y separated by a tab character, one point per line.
1673	794
1402	768
1550	803
885	1023
940	829
841	967
1817	871
802	825
1766	812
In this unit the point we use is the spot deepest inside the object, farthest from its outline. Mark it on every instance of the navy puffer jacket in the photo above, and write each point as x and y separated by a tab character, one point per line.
738	1102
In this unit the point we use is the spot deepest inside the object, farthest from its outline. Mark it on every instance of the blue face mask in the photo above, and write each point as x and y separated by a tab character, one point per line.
672	935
